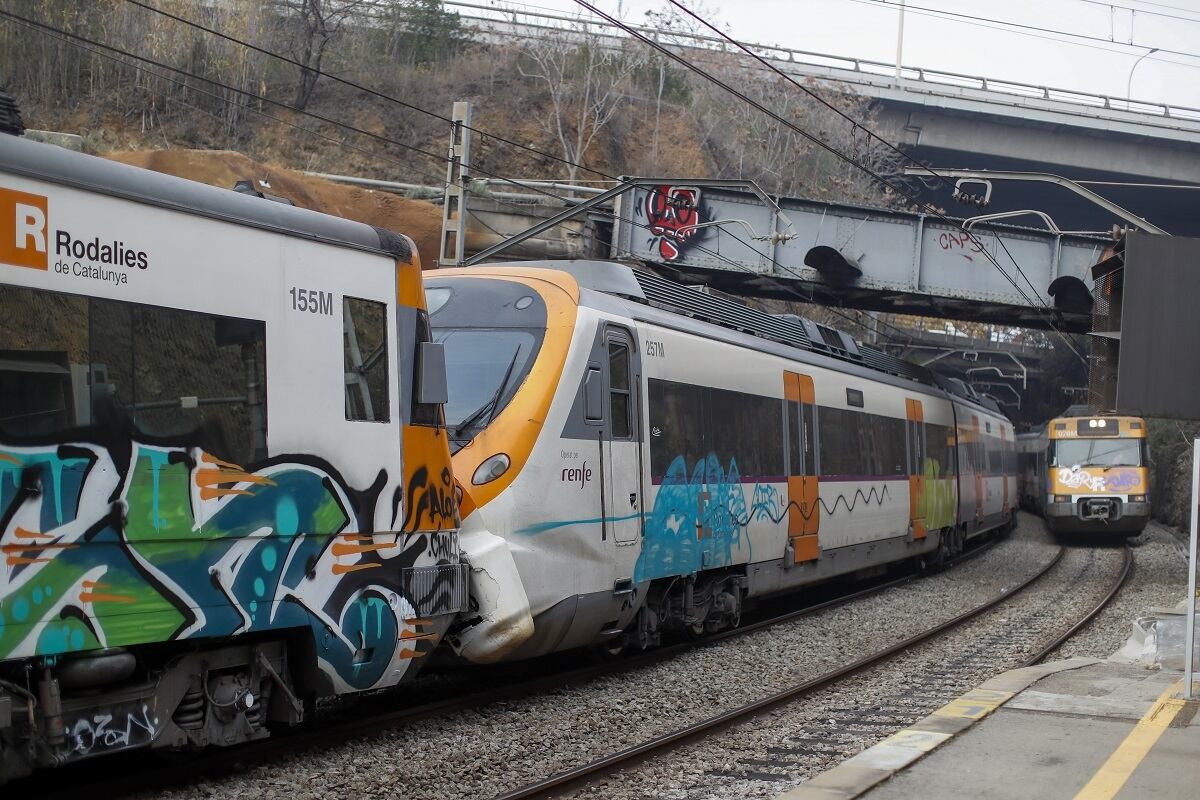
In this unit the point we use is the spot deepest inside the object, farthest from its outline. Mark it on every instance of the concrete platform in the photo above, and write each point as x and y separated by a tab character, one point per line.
1081	728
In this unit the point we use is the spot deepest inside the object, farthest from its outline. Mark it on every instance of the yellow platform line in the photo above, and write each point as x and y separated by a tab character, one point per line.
1113	774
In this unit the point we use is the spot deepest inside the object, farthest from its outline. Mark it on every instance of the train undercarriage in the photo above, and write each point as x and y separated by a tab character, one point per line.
55	711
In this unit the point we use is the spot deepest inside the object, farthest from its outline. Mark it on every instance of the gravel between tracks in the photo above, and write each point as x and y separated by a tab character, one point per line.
1159	580
485	751
770	753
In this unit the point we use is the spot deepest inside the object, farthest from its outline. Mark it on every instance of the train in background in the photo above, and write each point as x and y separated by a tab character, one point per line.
636	456
225	486
1087	474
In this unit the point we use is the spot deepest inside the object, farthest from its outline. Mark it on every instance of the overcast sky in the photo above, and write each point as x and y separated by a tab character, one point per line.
867	29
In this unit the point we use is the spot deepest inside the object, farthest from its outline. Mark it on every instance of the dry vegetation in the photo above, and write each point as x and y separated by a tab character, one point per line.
621	110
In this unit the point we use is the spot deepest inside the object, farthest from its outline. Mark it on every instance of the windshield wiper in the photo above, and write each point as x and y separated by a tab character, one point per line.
492	402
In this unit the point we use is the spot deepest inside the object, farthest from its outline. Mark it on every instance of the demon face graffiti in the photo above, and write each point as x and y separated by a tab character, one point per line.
673	212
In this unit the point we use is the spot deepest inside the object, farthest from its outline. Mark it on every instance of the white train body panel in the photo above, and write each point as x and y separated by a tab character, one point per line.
660	449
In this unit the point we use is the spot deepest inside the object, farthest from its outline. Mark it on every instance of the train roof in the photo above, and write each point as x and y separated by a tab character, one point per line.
653	290
54	164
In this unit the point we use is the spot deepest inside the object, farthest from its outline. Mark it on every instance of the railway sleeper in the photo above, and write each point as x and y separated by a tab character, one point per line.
68	709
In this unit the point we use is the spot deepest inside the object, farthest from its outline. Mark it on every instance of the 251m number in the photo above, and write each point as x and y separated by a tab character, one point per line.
312	301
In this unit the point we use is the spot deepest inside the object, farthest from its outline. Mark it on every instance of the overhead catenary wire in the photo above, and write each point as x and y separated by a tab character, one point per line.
1045	37
1024	26
803	133
265	51
486	134
353	84
857	125
833	151
81	42
1146	11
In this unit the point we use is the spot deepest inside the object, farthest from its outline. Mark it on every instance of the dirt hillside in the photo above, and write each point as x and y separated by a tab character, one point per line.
416	218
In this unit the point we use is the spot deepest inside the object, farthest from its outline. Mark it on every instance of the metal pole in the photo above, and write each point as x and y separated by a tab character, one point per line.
1189	621
899	41
1129	83
454	198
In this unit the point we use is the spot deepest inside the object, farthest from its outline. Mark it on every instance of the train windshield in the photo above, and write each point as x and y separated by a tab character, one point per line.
492	331
1098	452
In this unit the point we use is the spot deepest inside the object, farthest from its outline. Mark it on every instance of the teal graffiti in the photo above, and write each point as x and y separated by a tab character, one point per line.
698	519
543	527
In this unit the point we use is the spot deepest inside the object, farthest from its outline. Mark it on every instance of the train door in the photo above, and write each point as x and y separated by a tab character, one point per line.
915	424
804	506
979	457
621	444
1005	469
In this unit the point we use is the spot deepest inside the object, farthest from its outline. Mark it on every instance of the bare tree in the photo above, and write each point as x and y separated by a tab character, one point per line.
673	28
314	24
586	78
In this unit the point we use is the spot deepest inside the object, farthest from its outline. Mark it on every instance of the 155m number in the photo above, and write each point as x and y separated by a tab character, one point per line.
312	301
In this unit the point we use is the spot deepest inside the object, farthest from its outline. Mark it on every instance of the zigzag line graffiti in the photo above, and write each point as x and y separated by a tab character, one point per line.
171	543
768	510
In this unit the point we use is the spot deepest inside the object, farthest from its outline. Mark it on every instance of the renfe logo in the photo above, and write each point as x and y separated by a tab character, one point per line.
580	475
23	229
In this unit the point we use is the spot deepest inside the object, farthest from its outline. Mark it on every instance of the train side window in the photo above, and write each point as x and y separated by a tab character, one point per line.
43	354
795	436
364	339
619	395
199	377
677	425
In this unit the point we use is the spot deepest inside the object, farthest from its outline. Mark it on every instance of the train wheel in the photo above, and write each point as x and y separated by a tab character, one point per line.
939	556
644	634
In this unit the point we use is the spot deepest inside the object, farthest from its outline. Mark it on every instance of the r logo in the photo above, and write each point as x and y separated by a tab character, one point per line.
23	229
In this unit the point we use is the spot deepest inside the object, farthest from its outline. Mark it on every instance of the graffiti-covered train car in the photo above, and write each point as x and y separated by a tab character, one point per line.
637	455
1088	474
225	486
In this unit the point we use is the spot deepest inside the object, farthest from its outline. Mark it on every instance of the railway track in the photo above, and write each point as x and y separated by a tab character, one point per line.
143	777
566	781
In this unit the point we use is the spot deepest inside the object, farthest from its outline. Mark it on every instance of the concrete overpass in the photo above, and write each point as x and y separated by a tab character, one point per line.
954	120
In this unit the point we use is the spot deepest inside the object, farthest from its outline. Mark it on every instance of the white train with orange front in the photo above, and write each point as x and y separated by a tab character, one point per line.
635	455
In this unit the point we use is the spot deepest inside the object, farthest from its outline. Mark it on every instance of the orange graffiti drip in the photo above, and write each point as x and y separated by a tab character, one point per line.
21	533
94	597
209	458
38	546
340	549
417	635
211	494
16	561
342	569
409	653
417	622
215	477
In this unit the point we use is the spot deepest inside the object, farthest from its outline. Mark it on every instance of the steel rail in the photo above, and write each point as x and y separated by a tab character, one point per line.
720	721
312	735
1126	571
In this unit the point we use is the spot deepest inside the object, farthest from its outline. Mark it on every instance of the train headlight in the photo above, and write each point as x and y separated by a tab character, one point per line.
1062	498
491	468
1137	498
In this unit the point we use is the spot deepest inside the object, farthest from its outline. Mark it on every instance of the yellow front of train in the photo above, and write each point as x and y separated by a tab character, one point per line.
506	333
1098	479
